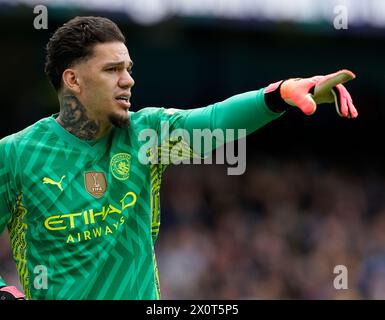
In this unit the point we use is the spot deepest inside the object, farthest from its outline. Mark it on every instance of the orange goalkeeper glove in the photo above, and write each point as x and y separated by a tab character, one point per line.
307	93
11	293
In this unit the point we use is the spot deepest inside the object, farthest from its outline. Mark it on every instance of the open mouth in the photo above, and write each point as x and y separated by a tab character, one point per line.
123	100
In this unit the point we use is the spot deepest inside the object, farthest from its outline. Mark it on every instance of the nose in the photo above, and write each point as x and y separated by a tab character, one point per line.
126	80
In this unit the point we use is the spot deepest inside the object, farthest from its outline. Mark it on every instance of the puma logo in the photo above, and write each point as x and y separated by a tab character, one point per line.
50	181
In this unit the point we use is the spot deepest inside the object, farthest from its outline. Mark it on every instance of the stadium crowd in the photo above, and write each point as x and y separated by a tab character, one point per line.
275	232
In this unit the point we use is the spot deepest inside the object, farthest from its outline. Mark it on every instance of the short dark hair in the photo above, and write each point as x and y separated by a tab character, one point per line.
74	41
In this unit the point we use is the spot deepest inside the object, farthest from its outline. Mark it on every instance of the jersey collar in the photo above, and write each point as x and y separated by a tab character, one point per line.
91	145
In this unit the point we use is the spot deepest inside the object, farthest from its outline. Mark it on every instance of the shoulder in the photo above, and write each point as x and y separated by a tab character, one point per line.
146	118
151	117
30	135
146	114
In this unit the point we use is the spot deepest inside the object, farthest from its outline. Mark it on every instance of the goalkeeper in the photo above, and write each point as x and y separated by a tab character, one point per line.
79	205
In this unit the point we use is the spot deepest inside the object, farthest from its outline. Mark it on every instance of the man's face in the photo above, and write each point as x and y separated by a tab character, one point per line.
105	83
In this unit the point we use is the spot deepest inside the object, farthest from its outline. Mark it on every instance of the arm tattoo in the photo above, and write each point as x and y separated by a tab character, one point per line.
73	117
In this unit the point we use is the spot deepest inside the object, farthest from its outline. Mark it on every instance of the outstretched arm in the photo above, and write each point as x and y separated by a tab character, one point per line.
252	110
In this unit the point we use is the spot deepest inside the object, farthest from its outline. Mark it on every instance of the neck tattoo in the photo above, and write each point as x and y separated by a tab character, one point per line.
73	117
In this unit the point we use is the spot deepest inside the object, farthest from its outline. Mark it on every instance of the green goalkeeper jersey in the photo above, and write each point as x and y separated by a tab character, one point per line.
87	213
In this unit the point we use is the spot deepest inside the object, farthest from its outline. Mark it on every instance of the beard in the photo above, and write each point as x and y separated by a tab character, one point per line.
120	121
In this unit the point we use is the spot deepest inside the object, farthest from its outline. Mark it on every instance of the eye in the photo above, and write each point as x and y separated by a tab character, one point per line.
129	70
112	69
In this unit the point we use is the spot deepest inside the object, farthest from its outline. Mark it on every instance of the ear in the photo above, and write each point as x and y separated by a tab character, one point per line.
70	80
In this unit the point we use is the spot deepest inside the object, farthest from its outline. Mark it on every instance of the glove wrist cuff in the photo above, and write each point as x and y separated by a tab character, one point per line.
273	98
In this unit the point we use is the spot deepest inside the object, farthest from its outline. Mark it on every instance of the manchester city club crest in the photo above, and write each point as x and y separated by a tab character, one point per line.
120	166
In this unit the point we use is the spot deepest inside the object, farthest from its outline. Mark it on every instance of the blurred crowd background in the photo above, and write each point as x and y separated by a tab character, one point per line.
277	232
313	194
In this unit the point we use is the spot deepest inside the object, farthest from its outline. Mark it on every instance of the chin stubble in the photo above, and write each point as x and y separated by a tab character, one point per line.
120	121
